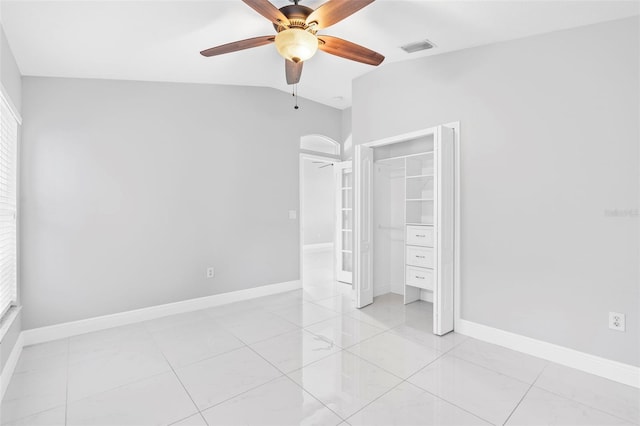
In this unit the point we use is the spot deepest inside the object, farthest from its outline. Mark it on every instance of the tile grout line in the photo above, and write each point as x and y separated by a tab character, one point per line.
350	346
314	397
585	405
241	393
39	411
525	394
576	401
178	377
287	376
150	333
494	371
264	340
283	374
362	359
255	387
375	399
308	325
346	349
342	350
438	396
203	359
406	381
132	381
183	387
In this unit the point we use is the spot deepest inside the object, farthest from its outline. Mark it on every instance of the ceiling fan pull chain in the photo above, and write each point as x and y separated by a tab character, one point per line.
295	94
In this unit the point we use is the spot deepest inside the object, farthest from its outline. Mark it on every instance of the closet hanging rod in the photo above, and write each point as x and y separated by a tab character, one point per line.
403	156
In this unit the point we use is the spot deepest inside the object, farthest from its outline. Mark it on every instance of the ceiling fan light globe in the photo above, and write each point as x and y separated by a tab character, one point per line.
296	44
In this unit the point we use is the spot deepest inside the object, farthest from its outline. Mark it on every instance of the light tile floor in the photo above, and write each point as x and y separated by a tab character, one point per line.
303	357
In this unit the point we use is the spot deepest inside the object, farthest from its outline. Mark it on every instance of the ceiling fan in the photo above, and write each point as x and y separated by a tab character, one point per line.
297	39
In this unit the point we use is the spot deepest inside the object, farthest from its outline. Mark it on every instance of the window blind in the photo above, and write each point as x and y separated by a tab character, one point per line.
8	202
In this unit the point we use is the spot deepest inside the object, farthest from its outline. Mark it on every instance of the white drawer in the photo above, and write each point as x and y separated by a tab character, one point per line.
420	256
420	235
420	277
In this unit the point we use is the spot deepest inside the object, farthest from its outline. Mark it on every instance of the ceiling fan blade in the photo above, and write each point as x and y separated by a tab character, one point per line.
335	11
268	10
238	45
348	50
293	71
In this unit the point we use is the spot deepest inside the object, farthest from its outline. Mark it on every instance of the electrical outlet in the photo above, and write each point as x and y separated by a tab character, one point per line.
210	272
616	321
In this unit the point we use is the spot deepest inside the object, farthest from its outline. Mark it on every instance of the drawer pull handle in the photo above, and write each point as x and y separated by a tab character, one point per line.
419	257
420	235
419	277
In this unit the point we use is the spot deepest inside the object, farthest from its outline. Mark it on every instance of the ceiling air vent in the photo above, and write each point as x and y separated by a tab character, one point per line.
417	46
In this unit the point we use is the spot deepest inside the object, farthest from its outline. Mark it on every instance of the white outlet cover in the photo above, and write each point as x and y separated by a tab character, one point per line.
210	272
617	321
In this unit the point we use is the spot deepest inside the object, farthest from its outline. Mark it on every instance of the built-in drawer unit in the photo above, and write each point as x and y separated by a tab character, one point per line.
420	256
420	236
420	277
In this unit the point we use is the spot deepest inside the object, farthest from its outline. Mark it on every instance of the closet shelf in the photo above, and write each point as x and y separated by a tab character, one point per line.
419	224
419	176
383	160
419	199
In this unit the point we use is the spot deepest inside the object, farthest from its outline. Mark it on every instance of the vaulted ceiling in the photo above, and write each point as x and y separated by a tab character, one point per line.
155	40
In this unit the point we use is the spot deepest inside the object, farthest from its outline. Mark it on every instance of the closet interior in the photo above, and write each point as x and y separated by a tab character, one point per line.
412	219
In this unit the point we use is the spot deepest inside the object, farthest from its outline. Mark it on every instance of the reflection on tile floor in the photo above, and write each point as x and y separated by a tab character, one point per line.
301	358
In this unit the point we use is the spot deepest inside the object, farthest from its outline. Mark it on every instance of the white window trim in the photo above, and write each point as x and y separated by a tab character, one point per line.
8	314
4	95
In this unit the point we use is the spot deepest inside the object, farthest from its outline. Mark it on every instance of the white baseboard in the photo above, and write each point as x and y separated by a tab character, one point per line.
10	365
317	247
612	370
74	328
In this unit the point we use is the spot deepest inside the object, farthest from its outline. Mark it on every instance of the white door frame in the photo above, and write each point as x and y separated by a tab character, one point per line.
341	275
457	232
362	241
306	156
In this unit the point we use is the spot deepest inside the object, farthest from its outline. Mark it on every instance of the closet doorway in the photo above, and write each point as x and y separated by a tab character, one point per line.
405	222
317	221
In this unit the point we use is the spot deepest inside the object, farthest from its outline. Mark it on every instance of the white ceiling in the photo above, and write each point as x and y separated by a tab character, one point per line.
159	40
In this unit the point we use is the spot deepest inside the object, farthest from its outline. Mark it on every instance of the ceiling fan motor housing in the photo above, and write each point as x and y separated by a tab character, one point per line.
297	15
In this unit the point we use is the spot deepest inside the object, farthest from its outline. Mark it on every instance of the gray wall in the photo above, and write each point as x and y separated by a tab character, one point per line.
11	81
131	190
549	145
347	137
319	203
